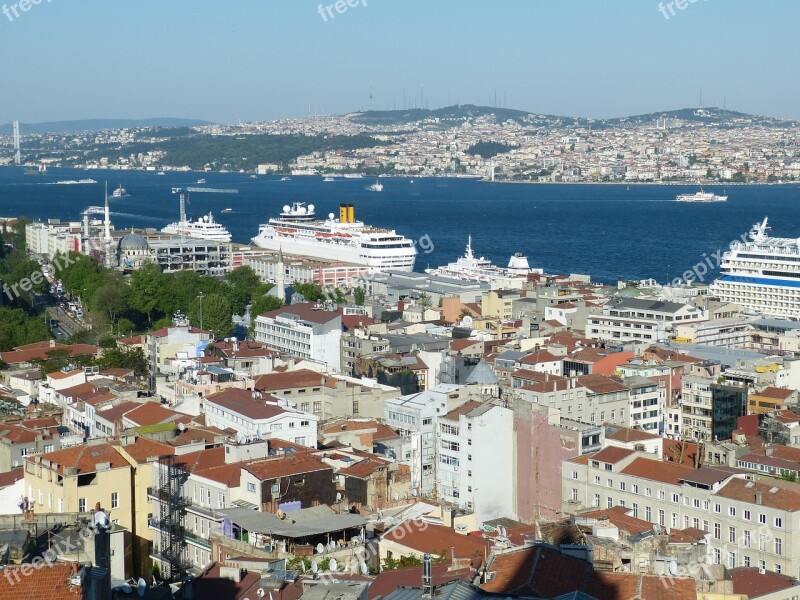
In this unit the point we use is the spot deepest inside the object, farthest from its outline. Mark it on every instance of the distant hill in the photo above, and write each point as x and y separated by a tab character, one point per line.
450	115
100	124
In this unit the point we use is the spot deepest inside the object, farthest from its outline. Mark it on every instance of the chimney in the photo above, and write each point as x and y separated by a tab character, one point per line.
758	498
769	450
427	576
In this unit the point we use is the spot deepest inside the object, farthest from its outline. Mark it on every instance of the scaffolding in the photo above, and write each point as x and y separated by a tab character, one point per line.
172	511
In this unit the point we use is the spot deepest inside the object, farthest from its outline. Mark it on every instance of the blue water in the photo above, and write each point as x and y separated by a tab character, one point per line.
603	230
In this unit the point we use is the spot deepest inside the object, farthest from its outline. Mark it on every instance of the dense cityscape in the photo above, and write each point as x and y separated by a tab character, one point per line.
223	377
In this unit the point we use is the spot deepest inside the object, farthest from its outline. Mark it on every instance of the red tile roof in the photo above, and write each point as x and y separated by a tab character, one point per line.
657	470
423	537
289	380
152	413
538	357
11	477
243	403
611	454
774	493
50	583
26	356
599	384
145	449
627	435
620	517
749	582
84	458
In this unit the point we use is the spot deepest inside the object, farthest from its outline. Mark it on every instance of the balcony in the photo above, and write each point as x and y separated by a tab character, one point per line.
159	496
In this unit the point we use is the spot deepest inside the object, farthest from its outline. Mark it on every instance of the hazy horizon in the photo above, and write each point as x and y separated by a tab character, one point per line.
263	61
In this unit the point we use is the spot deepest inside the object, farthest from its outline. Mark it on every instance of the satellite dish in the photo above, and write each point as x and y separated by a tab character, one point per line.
364	568
413	493
280	514
673	567
314	566
330	216
320	548
16	464
260	592
181	426
338	496
141	586
332	565
286	208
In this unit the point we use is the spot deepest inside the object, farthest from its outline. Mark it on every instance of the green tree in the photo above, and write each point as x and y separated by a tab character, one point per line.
425	300
311	291
216	314
146	286
115	358
112	300
18	329
242	283
359	296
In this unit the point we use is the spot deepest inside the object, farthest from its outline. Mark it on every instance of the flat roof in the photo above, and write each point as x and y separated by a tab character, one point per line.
307	522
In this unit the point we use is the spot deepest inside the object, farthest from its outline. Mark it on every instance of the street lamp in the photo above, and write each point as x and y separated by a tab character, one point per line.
201	295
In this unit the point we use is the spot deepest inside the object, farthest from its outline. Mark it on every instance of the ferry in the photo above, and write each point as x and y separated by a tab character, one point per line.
376	187
761	273
701	196
298	231
120	192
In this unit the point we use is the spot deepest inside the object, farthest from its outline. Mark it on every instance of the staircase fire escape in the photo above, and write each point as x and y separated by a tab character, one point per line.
173	509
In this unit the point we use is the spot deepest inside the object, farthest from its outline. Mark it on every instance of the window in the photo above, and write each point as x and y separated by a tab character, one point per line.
746	538
609	467
674	519
717	531
747	515
746	561
717	556
648	513
706	505
574	494
635	510
732	535
705	525
596	501
777	568
731	560
574	474
610	483
762	564
622	486
778	522
635	488
762	518
81	504
609	502
661	516
251	487
675	498
778	546
717	508
696	502
317	406
114	500
661	494
427	421
731	511
648	492
597	479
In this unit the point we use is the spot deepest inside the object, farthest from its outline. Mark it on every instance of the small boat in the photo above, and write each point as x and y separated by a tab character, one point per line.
201	181
227	211
120	192
253	176
329	179
376	187
286	178
160	173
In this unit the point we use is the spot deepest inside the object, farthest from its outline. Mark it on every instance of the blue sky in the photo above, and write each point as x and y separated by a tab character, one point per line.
267	59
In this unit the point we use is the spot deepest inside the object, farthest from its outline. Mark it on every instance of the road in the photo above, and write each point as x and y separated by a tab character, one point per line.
65	323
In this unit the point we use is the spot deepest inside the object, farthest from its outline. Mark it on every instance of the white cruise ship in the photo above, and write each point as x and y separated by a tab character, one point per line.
205	227
761	273
701	196
298	231
471	268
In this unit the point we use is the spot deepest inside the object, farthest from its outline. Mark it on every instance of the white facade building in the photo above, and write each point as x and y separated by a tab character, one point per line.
304	330
260	416
632	319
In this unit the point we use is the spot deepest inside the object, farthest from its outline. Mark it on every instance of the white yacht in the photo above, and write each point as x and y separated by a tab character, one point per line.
701	196
297	231
471	268
376	187
761	273
205	227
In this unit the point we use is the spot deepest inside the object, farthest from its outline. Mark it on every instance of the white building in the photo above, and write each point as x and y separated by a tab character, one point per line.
255	415
305	330
632	319
475	470
415	416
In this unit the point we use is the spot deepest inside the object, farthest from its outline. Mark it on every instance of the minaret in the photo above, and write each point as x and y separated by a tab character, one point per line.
107	230
280	277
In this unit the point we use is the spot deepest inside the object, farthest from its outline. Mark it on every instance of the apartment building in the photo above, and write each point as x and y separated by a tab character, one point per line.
750	523
467	475
305	330
256	415
637	319
710	409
